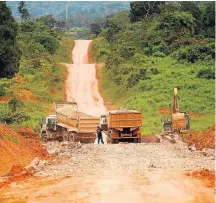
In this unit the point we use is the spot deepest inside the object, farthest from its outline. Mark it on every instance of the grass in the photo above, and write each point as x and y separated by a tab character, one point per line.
195	94
46	84
11	138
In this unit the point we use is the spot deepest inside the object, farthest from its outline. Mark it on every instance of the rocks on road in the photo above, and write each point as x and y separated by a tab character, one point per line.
82	159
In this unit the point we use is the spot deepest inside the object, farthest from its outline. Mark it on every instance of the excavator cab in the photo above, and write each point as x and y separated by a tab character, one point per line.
167	126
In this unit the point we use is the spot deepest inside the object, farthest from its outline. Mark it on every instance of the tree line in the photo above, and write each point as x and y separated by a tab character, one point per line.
40	34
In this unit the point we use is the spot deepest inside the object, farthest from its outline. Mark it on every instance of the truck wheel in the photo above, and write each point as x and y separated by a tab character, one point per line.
60	139
116	141
44	137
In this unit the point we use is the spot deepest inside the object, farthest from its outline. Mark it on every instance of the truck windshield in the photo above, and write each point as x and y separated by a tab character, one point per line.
50	121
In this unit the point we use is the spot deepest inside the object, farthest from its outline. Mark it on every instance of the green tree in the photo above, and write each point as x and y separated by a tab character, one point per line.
180	22
95	28
48	20
192	7
23	11
208	20
9	51
143	9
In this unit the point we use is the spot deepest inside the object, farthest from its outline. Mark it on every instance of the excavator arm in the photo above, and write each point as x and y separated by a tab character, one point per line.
175	101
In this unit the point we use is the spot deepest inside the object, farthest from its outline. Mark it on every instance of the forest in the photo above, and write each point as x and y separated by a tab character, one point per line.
31	78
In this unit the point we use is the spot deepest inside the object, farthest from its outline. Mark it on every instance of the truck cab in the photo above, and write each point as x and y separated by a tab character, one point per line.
47	123
103	122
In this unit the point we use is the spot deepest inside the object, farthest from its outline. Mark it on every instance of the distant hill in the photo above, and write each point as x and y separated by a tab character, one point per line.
82	13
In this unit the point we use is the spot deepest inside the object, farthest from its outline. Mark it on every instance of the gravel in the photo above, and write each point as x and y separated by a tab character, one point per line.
75	159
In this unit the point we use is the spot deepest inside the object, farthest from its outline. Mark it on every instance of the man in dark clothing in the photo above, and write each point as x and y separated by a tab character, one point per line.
99	135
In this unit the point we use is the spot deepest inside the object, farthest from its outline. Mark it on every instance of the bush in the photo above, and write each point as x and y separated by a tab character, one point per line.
4	111
159	54
16	118
195	53
206	73
2	91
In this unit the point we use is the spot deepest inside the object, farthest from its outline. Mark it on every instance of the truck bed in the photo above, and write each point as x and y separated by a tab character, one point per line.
124	119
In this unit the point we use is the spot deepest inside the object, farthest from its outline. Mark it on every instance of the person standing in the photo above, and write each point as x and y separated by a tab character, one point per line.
99	135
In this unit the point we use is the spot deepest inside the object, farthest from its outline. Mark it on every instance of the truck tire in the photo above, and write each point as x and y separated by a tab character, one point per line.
44	137
116	141
137	140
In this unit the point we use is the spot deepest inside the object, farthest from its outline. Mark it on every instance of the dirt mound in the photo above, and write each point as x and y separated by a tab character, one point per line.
15	149
27	132
17	174
203	139
206	175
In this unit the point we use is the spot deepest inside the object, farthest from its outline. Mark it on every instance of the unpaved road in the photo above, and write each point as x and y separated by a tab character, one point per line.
81	83
123	173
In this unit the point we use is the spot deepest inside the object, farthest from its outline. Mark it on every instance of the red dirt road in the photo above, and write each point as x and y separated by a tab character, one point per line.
81	83
151	187
148	185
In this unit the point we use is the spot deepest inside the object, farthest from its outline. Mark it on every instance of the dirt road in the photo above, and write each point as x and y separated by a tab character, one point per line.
124	173
81	84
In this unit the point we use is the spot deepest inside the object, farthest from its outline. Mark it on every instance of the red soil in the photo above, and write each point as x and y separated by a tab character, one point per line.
25	95
166	111
207	176
16	149
203	139
4	99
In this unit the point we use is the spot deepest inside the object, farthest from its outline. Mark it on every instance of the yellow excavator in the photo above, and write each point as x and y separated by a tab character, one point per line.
180	121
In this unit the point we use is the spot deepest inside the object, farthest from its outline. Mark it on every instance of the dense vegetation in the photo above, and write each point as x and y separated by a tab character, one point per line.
154	48
9	51
40	79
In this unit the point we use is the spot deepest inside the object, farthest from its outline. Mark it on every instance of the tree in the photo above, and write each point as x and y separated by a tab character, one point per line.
48	20
95	28
143	9
23	11
208	20
9	51
191	7
179	21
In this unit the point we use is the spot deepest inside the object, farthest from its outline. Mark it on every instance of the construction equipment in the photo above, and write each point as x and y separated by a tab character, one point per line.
180	121
122	125
69	124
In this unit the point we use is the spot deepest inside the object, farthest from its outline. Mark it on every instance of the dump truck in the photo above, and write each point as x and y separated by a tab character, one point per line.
122	125
69	124
180	121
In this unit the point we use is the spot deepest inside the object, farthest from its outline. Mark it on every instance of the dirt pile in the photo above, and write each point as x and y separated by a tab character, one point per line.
206	175
27	132
204	139
15	149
